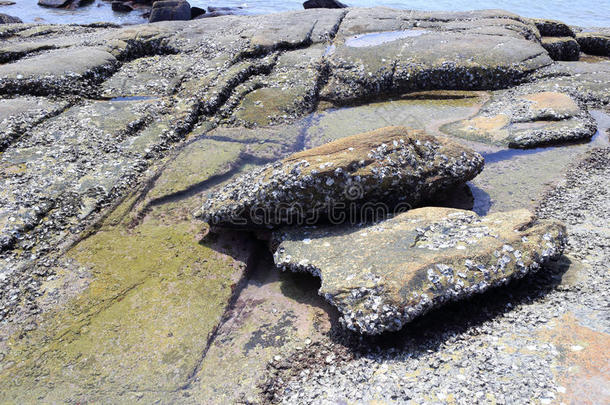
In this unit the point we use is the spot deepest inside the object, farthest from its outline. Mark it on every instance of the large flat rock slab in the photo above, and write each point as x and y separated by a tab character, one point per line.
382	276
379	51
57	71
152	297
393	166
19	114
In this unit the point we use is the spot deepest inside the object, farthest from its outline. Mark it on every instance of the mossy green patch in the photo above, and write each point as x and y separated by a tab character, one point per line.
197	162
142	324
265	106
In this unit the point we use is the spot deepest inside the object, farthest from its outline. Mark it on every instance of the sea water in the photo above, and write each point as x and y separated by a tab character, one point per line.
585	13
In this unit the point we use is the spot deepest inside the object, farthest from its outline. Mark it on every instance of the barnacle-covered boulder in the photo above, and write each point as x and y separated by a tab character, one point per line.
383	275
393	166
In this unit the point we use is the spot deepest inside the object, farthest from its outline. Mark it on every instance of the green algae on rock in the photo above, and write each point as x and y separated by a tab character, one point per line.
383	275
394	166
155	295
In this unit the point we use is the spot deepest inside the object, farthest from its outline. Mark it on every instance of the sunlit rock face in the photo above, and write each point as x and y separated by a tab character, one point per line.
382	276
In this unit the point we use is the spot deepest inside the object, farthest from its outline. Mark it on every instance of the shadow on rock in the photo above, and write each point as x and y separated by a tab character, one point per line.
430	331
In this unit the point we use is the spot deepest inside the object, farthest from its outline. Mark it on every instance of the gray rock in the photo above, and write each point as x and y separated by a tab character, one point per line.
378	51
62	70
8	19
170	10
523	119
384	275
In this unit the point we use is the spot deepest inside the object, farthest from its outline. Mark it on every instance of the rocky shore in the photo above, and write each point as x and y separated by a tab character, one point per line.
324	206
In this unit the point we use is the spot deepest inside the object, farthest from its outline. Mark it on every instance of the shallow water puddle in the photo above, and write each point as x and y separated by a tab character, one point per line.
132	98
516	178
378	38
426	111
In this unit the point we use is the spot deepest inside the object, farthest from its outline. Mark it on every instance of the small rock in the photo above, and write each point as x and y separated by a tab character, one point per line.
54	3
121	7
170	10
8	19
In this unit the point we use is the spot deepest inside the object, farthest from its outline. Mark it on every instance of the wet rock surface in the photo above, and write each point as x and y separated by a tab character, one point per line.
595	43
548	328
112	137
523	120
384	275
393	166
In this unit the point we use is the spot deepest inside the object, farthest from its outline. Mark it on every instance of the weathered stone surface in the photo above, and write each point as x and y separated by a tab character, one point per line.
130	296
394	166
553	28
527	120
152	297
17	115
561	48
158	75
57	71
380	51
384	275
595	43
288	92
425	111
196	163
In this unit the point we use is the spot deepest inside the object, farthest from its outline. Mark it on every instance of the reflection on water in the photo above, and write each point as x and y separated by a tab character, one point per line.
132	98
517	178
378	38
584	12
